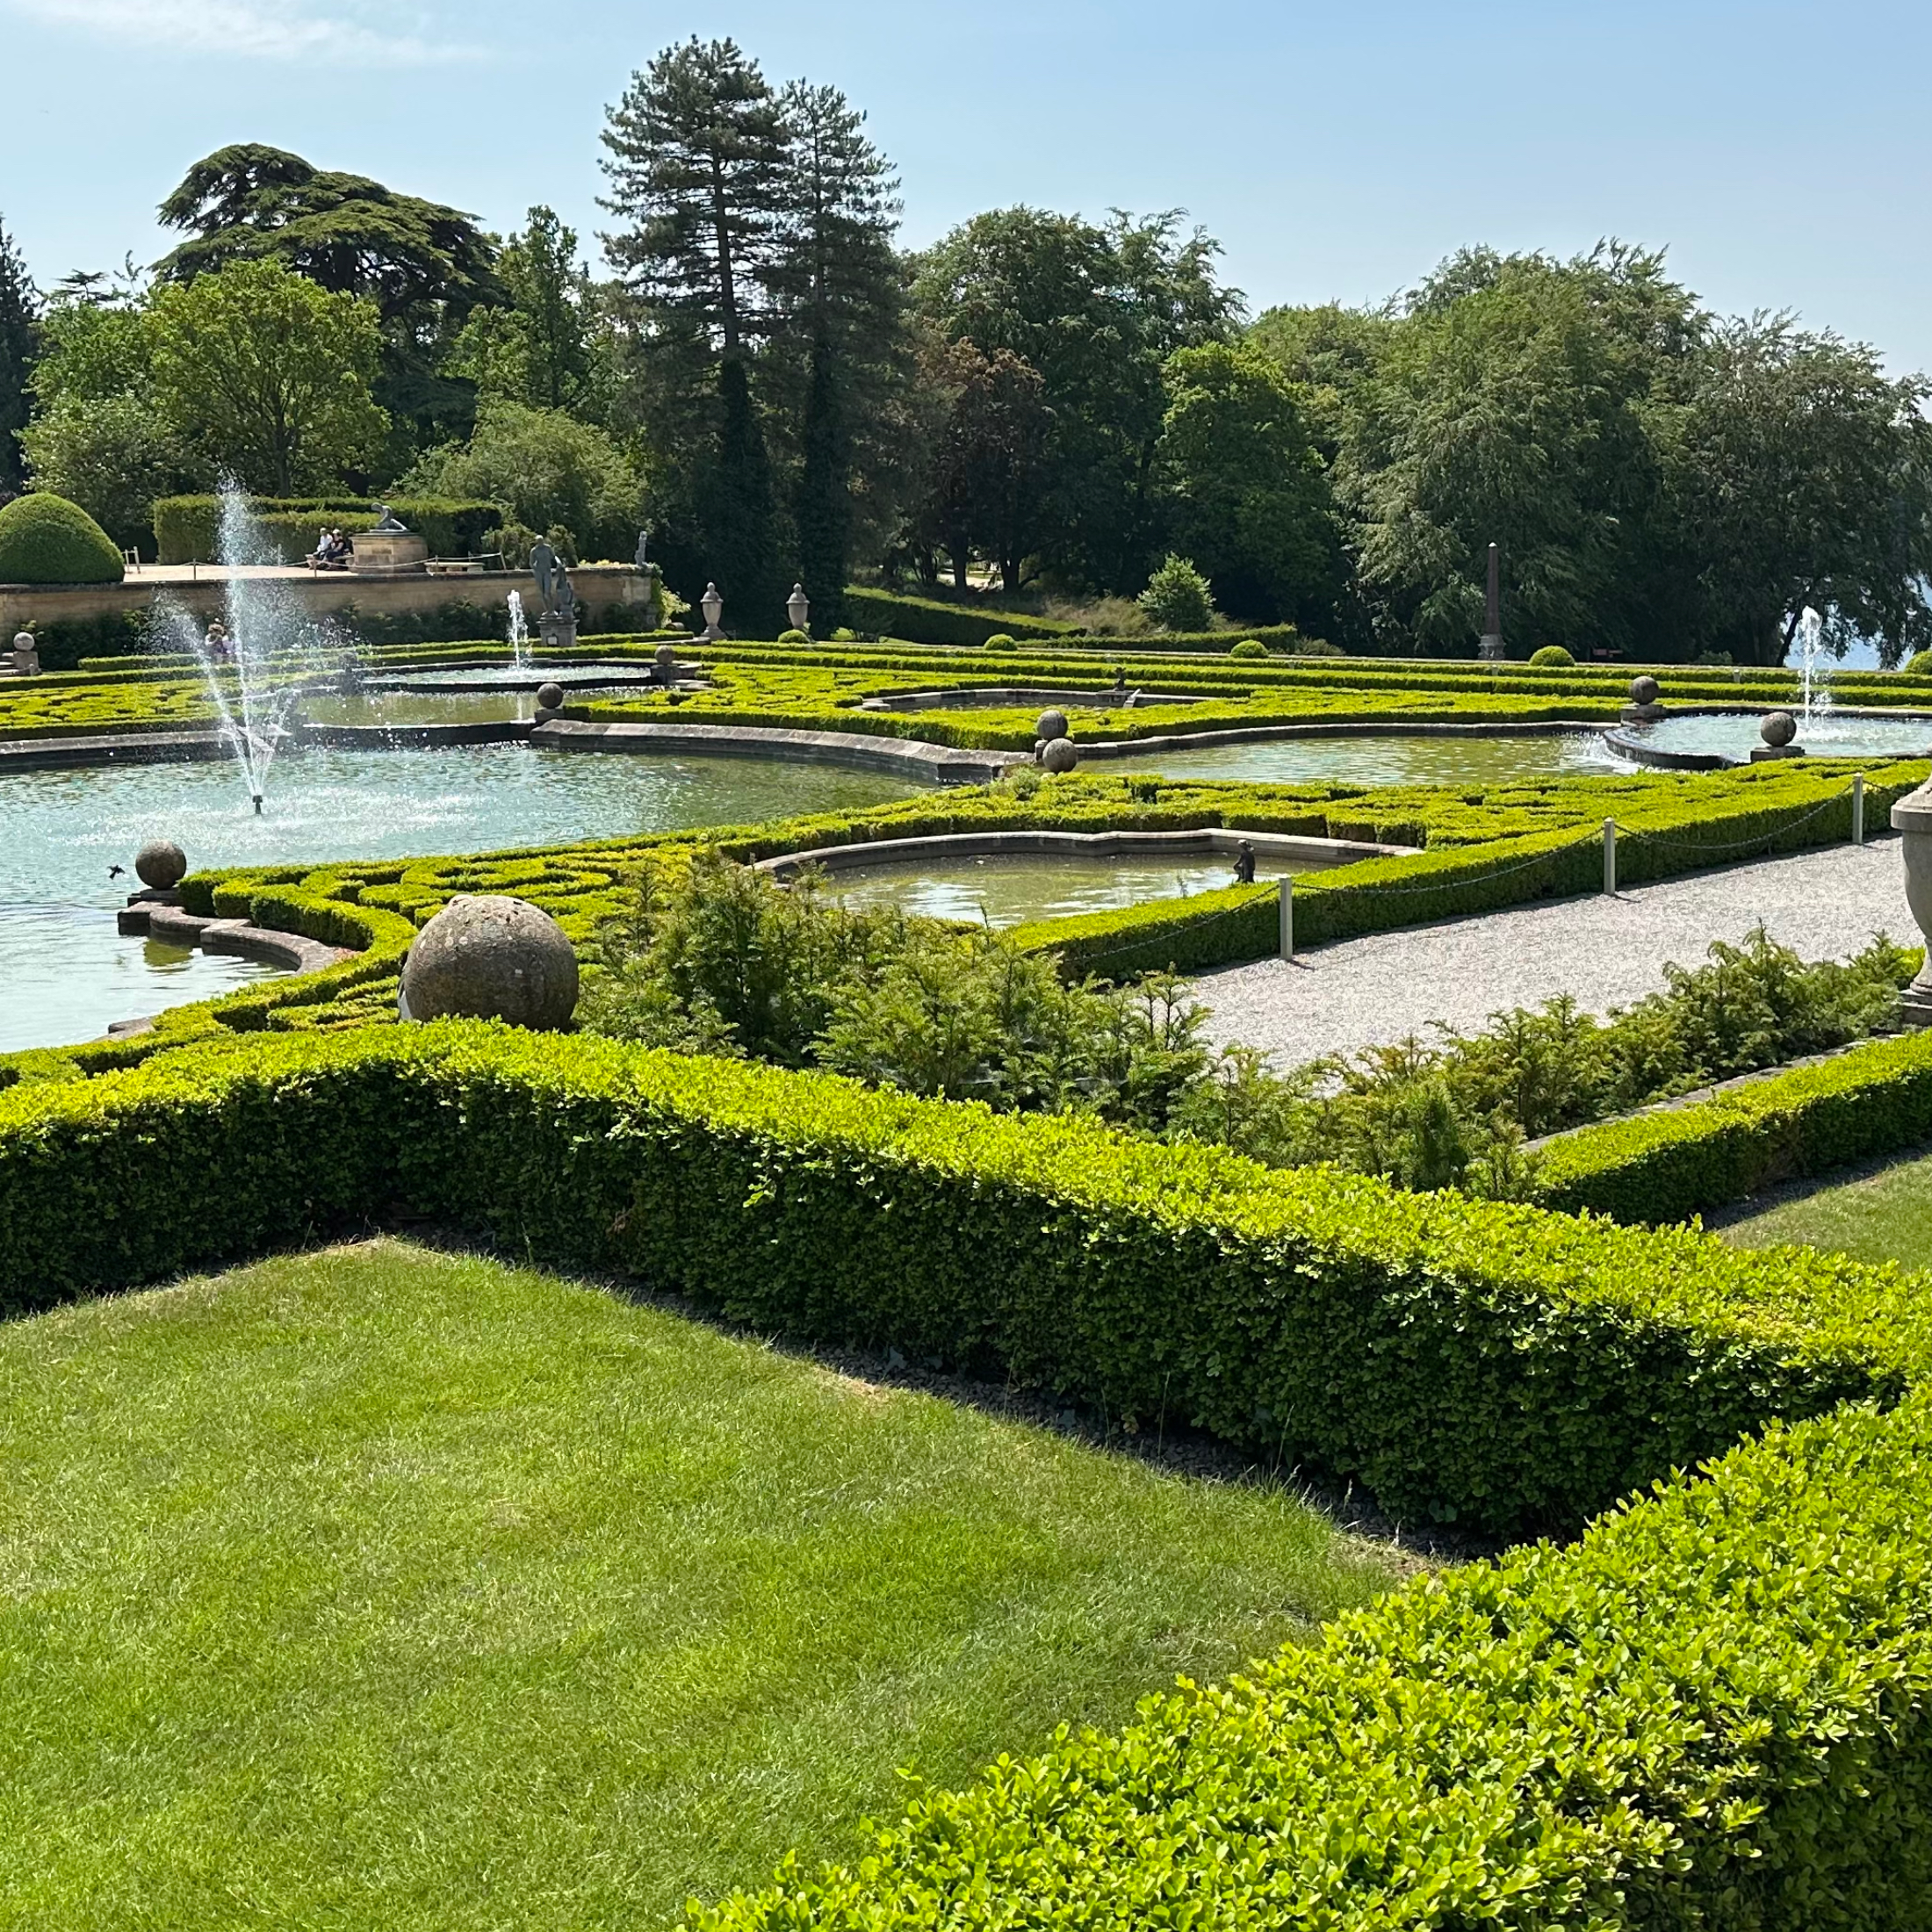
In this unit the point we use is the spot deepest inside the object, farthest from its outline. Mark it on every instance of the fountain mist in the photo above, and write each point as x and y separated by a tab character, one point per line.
519	632
254	672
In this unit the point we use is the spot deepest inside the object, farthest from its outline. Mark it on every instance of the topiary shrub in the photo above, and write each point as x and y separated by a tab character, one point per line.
794	636
1552	657
1919	664
1177	597
1250	647
1000	641
44	540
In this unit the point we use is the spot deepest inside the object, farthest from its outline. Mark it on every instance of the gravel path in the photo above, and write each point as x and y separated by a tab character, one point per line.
1373	991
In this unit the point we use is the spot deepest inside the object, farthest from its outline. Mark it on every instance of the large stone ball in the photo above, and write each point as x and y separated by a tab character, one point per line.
23	640
1779	728
1059	756
1052	725
666	657
161	864
550	697
1643	690
491	957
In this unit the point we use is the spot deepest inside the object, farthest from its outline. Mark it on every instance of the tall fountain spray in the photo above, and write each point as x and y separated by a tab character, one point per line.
257	657
1810	658
519	632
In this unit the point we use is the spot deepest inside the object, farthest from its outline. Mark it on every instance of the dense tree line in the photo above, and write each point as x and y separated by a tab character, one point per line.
1037	406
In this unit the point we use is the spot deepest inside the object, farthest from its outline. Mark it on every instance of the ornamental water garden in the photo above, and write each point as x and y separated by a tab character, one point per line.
1110	1218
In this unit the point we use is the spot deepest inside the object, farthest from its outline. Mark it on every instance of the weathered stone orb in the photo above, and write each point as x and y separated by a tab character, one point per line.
1060	756
1779	728
550	695
491	957
665	658
1052	725
24	640
161	865
1643	690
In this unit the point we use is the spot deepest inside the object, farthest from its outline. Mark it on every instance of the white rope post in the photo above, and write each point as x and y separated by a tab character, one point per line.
1288	915
1610	858
1857	808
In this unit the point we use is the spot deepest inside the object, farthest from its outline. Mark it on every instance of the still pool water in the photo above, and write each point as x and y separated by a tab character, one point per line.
1389	759
68	975
1002	889
1732	734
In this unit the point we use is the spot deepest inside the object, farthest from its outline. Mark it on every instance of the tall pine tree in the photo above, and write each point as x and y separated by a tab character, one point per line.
20	339
844	296
698	156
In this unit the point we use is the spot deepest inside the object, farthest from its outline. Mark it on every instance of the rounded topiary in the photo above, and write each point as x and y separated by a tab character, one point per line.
1000	641
794	636
1919	664
1250	647
44	540
1552	657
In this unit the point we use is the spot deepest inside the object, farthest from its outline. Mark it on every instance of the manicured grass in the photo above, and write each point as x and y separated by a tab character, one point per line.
1884	1217
382	1588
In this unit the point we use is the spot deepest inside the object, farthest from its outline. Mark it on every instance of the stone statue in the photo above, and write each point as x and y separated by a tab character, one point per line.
545	567
644	539
566	595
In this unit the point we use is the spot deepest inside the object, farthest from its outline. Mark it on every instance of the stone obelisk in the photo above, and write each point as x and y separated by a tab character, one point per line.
1491	647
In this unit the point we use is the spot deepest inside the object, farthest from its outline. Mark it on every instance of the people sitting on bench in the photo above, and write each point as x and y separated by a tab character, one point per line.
332	551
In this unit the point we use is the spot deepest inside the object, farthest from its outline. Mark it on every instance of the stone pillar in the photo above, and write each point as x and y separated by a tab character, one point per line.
1490	649
1912	815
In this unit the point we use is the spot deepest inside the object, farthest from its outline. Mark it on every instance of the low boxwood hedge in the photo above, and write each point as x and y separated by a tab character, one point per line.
1677	1162
932	620
1497	1365
187	528
1716	1711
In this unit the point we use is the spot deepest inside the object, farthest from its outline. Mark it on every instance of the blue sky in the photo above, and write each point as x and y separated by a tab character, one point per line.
1781	152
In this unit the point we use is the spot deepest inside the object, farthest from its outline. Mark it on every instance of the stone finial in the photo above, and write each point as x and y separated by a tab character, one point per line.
1643	690
161	865
1778	729
491	957
1051	724
1059	756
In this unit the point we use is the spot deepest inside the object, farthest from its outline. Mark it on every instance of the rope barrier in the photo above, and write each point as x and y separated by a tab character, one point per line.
1739	845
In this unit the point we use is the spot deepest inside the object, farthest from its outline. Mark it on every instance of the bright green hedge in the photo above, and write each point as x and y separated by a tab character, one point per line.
1714	1714
1681	1161
45	539
1497	1365
186	528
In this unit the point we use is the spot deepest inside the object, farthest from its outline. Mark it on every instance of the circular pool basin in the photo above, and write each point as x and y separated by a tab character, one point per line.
1389	758
1708	740
69	976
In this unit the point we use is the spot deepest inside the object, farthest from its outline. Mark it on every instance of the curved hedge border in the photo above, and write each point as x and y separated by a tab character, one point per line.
1497	1365
1716	1711
1677	1162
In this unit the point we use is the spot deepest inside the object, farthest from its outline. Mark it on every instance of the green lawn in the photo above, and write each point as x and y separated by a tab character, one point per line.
1886	1217
380	1588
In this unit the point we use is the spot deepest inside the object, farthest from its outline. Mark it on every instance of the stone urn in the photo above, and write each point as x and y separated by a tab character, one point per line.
1911	817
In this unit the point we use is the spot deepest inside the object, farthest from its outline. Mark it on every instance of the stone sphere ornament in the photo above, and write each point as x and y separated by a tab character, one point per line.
161	865
491	957
1051	724
1778	729
665	658
1643	690
550	697
1060	756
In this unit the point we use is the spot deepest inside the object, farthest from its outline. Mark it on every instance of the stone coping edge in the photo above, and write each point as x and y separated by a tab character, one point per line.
1220	839
174	927
908	757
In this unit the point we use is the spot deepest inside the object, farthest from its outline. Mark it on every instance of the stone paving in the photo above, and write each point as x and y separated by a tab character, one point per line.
1605	952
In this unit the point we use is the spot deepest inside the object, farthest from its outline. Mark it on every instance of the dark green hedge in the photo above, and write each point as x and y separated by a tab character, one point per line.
45	539
187	527
1668	1165
1713	1715
1497	1365
930	620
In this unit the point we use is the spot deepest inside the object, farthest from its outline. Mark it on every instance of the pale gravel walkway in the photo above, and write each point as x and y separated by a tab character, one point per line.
1373	992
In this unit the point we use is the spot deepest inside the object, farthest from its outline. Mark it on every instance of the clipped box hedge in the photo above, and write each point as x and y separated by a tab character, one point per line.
1681	1161
187	529
1714	1712
1497	1365
932	620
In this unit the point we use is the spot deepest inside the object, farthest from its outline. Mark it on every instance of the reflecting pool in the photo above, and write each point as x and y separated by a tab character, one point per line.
1829	734
1383	759
69	974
